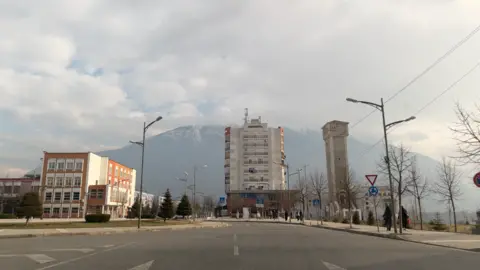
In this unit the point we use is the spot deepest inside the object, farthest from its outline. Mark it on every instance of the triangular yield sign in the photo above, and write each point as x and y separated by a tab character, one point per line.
372	178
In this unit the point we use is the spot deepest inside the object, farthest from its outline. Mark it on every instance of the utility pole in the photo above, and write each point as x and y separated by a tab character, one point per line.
381	108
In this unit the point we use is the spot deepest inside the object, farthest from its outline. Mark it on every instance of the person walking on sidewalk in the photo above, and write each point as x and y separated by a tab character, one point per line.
404	218
387	217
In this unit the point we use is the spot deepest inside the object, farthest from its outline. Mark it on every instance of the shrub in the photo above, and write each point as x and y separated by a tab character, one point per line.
335	219
97	218
356	218
7	216
370	219
345	221
437	223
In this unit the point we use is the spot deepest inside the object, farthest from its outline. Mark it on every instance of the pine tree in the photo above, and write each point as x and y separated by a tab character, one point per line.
135	208
184	208
370	218
166	210
356	218
30	206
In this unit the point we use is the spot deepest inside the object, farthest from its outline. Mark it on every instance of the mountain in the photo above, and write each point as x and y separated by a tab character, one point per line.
168	155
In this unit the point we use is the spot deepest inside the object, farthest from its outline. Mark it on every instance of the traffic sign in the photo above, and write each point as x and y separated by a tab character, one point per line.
316	202
373	191
372	178
476	179
222	200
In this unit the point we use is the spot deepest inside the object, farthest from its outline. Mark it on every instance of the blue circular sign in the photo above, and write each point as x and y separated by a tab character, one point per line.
476	179
373	191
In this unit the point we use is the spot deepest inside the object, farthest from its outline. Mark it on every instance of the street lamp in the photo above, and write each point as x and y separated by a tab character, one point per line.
194	188
381	108
184	180
142	144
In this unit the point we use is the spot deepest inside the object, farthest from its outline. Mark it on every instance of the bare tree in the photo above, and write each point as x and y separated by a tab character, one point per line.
319	185
304	189
400	164
208	204
418	188
350	192
448	186
467	135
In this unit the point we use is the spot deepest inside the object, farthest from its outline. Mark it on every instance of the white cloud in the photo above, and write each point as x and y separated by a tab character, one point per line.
86	74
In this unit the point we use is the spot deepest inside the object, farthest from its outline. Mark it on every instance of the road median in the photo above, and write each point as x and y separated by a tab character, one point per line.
28	233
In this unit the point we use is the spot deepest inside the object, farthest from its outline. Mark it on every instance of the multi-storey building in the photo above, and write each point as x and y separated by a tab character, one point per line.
148	199
254	155
74	184
254	158
12	190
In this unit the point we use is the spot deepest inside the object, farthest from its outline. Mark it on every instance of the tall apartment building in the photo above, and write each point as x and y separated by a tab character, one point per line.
74	184
253	157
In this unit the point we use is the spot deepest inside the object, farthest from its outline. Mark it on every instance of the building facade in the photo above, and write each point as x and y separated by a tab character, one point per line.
335	134
148	199
254	154
12	190
75	184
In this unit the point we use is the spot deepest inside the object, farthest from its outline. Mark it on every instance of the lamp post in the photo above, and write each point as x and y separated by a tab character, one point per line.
184	180
194	189
381	108
142	144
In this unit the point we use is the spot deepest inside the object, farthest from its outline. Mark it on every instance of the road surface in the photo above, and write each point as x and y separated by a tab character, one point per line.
245	246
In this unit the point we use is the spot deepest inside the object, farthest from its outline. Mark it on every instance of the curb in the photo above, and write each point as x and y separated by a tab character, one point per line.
119	231
258	221
395	237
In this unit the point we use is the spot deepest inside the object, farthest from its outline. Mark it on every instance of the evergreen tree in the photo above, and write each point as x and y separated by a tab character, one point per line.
184	208
30	206
166	210
356	218
135	208
370	218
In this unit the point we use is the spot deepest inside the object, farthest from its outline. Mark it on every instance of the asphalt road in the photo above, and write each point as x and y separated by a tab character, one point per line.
245	246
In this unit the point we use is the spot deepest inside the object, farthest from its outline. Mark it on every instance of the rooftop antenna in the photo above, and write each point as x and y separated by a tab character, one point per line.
246	116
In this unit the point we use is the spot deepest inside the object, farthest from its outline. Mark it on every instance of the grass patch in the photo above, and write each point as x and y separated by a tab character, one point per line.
111	224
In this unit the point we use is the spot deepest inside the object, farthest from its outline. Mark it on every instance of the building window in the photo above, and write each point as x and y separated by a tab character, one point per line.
78	181
67	196
59	182
48	197
61	165
49	181
65	210
76	196
100	194
16	189
46	210
58	196
70	166
56	211
51	165
79	165
74	210
110	169
93	194
68	181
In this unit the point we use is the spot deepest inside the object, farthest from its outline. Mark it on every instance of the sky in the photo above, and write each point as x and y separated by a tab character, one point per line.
83	75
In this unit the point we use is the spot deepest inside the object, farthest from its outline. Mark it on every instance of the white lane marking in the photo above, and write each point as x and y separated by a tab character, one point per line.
107	246
83	250
144	266
62	230
85	256
40	258
235	246
331	266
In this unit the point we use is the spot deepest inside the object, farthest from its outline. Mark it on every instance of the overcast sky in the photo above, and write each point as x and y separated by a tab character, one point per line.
82	75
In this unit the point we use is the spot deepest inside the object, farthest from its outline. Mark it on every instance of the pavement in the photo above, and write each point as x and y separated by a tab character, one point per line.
445	239
243	245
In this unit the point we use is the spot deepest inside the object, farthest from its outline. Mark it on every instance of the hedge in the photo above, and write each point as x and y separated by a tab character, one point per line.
7	216
97	218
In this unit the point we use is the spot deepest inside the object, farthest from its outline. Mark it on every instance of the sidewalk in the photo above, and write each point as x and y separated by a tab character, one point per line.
445	239
24	233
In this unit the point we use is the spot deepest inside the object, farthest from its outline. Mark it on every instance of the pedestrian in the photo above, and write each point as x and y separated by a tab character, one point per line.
404	218
387	218
286	216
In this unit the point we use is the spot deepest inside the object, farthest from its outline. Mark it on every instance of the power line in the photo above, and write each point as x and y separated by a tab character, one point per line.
425	71
429	103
